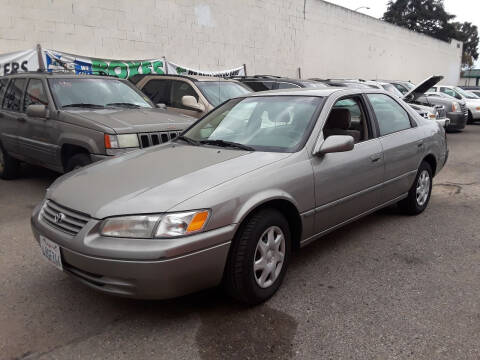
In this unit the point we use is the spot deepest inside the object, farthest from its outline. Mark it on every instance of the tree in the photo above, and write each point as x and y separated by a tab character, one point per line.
468	34
430	18
424	16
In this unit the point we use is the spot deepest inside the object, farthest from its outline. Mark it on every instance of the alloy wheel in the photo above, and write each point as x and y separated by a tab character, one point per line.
423	187
269	257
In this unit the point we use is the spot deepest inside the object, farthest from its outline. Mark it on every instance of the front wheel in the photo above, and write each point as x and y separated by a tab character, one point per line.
9	167
259	257
420	192
470	118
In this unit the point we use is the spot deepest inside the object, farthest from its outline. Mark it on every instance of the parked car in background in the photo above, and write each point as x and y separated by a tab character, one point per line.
472	100
270	82
402	86
350	83
457	111
260	176
63	121
190	95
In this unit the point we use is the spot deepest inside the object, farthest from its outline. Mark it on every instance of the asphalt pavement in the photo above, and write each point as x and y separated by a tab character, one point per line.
388	286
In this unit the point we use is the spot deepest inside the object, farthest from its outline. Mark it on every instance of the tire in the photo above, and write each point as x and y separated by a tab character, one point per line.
9	167
470	118
241	281
420	192
77	161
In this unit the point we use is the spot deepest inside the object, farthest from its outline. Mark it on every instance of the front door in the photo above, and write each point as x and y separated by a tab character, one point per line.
347	184
36	136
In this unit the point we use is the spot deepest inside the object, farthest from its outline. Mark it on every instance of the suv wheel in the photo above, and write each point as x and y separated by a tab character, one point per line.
9	167
470	118
77	161
419	194
259	257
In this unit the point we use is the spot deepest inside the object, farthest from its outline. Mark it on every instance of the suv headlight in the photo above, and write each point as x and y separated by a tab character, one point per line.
122	141
167	225
429	115
456	107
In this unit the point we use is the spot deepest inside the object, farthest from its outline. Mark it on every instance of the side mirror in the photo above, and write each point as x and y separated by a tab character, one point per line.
37	111
336	143
190	102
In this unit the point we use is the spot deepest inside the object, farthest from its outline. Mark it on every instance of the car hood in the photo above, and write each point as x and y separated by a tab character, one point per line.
124	121
422	88
153	180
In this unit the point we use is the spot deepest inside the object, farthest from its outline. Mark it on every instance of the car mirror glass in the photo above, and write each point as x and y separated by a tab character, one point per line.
192	103
336	143
37	111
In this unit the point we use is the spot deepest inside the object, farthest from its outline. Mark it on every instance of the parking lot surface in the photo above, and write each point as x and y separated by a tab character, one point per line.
386	286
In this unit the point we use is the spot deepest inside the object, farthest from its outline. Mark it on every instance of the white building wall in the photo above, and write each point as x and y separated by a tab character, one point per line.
269	36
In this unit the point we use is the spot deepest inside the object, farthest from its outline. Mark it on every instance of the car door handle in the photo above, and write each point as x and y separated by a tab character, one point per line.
420	144
375	157
21	119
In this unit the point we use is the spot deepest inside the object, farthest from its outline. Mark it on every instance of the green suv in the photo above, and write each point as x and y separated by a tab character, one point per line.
63	121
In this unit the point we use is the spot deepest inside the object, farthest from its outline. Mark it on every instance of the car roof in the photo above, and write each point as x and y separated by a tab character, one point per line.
320	92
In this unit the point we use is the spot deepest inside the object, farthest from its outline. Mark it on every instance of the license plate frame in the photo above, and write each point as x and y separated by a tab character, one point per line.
51	252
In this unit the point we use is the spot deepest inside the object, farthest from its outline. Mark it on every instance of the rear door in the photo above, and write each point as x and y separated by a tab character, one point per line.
11	114
402	144
37	136
7	125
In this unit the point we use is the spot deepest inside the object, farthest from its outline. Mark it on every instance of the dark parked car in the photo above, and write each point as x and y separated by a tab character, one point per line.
63	121
270	82
456	109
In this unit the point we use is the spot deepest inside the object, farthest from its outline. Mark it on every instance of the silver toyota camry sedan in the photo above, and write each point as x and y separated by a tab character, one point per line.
229	200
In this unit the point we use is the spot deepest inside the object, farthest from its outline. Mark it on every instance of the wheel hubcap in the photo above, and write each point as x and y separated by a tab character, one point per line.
269	257
423	187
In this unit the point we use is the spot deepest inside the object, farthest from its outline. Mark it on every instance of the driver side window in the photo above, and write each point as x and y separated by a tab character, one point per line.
347	117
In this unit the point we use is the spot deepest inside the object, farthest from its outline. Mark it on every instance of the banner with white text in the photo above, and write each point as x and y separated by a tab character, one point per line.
183	70
18	61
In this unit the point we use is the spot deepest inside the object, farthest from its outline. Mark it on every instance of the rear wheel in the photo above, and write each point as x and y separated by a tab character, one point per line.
9	167
259	257
419	194
77	161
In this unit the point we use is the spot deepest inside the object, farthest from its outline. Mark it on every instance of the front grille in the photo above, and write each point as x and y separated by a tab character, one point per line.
157	138
61	218
464	109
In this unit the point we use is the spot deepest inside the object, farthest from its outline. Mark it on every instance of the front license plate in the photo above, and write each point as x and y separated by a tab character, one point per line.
51	251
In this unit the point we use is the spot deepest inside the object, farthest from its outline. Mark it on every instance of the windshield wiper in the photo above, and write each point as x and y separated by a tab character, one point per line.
84	105
224	143
124	104
187	140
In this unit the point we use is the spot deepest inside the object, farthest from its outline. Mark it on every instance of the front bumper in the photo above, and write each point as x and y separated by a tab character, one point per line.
458	121
151	269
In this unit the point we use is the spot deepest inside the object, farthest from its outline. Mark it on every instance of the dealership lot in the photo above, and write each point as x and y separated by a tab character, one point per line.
386	286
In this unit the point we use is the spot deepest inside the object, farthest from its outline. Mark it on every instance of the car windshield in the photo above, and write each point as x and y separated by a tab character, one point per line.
263	123
96	93
218	92
466	94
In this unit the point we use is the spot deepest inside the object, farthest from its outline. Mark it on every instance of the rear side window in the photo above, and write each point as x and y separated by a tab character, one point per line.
391	117
286	85
3	87
260	85
35	94
158	91
13	96
179	90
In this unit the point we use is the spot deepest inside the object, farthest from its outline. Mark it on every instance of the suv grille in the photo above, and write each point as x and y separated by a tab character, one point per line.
63	219
157	138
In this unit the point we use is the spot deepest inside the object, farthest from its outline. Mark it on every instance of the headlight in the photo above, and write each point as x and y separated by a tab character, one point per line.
430	115
156	226
121	141
456	107
477	108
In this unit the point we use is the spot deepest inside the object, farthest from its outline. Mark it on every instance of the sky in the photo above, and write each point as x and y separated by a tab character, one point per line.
465	10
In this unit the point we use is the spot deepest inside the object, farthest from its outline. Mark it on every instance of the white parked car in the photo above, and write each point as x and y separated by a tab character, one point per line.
472	100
